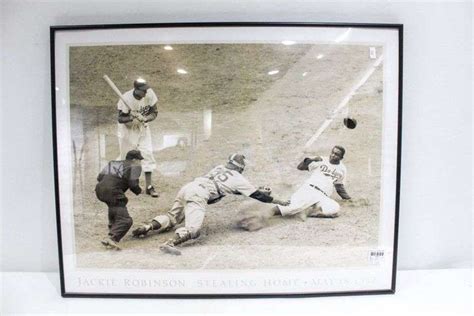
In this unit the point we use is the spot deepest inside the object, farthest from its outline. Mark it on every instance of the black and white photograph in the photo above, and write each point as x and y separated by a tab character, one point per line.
227	159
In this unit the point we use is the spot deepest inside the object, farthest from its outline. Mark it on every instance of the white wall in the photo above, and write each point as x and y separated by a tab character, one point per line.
436	196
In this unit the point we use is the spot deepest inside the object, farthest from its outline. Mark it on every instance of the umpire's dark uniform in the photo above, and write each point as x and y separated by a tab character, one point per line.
114	180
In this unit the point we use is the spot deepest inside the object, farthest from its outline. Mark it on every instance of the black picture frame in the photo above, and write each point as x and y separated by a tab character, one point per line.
69	29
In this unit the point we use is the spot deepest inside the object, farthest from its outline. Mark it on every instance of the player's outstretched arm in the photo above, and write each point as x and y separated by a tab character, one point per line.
264	195
281	202
341	190
304	165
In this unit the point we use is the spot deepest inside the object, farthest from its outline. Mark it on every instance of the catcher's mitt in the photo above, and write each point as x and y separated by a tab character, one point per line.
350	123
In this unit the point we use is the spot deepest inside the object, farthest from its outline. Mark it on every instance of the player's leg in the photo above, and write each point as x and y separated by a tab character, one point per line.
111	217
119	228
120	224
111	241
303	198
148	163
104	195
108	242
326	208
194	217
162	223
127	139
196	198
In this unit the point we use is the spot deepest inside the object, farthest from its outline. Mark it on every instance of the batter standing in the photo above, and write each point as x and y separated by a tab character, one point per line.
135	113
190	203
313	198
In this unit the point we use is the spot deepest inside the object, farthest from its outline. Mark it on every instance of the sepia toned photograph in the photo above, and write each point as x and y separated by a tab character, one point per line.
227	159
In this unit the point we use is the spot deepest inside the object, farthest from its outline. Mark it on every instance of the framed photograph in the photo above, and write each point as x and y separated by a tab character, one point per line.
227	159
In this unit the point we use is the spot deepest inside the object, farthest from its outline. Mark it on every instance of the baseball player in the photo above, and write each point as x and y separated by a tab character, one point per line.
313	198
190	203
113	181
133	131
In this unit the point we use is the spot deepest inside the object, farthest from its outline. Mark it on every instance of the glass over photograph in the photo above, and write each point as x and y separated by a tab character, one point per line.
227	160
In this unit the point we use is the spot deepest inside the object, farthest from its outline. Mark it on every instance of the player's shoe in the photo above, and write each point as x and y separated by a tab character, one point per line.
169	248
141	231
110	244
150	190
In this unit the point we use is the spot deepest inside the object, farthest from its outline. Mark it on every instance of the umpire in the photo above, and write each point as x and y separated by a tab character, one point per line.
114	180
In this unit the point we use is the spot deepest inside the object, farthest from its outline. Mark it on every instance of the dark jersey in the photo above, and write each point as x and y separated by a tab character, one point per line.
119	176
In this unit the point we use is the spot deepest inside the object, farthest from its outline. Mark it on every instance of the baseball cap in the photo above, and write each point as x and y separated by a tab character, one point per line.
141	84
134	154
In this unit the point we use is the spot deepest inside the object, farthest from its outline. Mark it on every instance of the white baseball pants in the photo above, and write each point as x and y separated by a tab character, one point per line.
137	138
307	196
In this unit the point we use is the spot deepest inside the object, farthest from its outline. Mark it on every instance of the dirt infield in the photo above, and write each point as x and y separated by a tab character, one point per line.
226	103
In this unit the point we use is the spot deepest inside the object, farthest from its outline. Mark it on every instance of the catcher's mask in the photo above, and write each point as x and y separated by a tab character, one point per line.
236	161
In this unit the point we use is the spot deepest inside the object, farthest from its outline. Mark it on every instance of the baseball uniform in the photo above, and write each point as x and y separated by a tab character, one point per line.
190	202
317	189
136	135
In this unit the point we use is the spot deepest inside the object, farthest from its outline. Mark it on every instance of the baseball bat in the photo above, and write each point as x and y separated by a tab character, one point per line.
116	90
119	94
